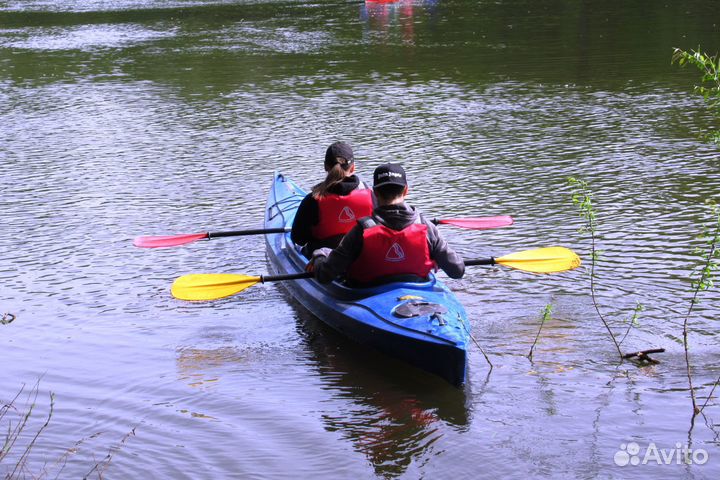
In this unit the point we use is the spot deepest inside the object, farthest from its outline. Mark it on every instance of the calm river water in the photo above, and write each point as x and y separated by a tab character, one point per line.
121	118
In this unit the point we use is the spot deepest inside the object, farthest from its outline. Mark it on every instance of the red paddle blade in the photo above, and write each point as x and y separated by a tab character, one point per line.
481	223
168	240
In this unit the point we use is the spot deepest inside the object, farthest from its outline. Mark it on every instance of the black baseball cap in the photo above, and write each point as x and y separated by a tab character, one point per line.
389	174
336	150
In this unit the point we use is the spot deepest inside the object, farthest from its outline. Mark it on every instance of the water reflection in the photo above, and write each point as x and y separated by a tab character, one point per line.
195	365
391	412
381	16
123	118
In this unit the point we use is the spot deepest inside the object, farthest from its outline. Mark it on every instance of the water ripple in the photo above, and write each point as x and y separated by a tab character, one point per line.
158	124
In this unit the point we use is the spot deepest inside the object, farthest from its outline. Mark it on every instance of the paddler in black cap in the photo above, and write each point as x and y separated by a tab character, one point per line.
395	243
333	206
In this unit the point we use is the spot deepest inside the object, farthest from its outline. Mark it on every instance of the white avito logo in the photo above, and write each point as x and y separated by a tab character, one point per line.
390	174
395	253
629	454
346	215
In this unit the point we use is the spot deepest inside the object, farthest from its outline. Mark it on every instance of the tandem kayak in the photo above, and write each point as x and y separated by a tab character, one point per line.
421	323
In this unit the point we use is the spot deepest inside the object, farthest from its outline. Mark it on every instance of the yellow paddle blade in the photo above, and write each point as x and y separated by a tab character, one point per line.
211	286
542	260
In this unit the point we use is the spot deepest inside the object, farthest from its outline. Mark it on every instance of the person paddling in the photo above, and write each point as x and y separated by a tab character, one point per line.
333	206
395	243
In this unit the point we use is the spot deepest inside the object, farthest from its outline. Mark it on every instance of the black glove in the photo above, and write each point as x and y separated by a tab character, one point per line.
318	256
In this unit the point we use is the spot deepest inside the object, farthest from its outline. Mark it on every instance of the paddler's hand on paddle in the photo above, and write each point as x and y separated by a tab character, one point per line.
318	255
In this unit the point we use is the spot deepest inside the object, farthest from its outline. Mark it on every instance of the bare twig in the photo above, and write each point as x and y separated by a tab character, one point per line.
710	394
643	356
704	282
63	458
13	433
24	456
15	430
102	465
487	359
8	406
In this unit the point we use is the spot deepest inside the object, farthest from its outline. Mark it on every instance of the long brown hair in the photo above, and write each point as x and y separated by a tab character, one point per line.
335	175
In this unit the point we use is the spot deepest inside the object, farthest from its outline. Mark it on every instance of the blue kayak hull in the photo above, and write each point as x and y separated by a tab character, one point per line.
436	341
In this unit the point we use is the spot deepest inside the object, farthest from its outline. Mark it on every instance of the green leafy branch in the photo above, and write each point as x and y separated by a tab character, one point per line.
709	66
547	313
582	199
634	319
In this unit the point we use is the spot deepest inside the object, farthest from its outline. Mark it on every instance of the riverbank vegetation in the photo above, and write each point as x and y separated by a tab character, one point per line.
21	436
582	199
709	88
17	444
703	275
701	279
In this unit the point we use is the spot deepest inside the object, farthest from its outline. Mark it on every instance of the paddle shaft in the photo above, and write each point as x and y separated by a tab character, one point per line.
209	286
481	223
262	231
480	261
289	276
298	276
257	231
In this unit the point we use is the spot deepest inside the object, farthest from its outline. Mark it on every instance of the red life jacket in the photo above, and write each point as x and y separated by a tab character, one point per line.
339	213
387	252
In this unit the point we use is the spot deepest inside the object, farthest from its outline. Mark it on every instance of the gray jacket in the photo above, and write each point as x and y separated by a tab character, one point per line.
329	264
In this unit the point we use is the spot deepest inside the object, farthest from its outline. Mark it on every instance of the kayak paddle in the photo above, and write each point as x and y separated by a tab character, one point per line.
211	286
539	260
480	223
185	238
